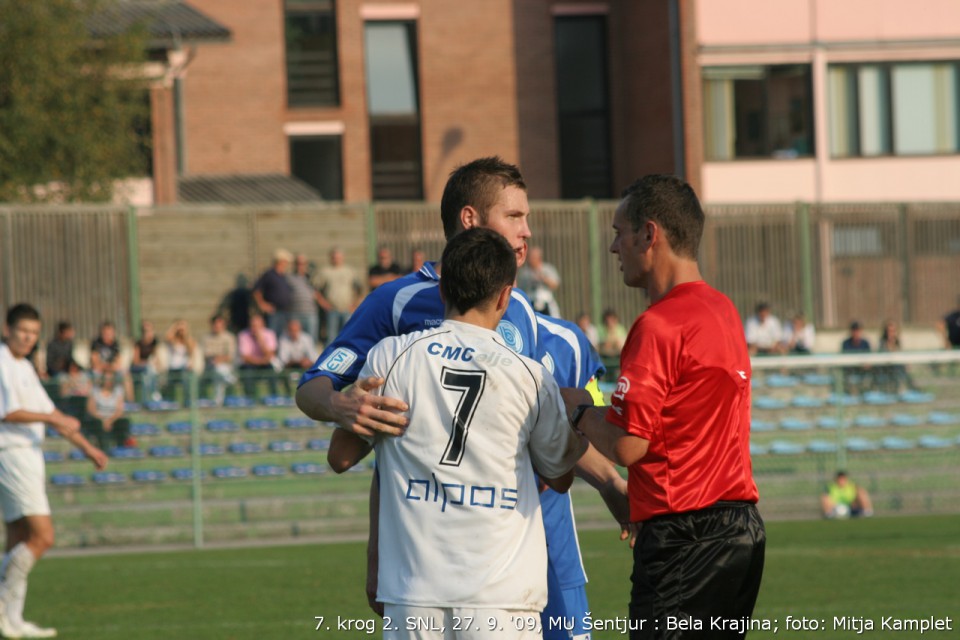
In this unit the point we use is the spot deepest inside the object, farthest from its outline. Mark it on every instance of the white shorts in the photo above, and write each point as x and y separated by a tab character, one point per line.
403	622
23	483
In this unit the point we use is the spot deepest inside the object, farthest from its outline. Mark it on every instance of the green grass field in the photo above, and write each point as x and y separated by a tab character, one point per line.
869	569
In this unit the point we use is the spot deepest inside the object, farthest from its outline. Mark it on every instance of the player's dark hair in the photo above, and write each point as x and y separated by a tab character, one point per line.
477	265
476	184
672	204
22	311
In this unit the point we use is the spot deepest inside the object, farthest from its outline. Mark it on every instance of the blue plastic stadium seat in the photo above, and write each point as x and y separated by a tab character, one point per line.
769	402
67	480
285	446
53	456
53	433
244	447
357	468
161	405
860	444
843	400
757	449
879	398
905	420
229	471
148	475
211	450
141	429
916	397
894	443
755	383
180	427
943	418
818	380
76	454
870	422
206	403
132	407
278	401
934	442
166	451
807	402
299	423
108	477
308	468
318	444
795	424
780	381
239	402
126	453
762	425
829	422
261	424
821	446
784	448
222	426
181	474
268	470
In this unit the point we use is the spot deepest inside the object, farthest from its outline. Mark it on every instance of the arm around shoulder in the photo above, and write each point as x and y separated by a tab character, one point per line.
346	450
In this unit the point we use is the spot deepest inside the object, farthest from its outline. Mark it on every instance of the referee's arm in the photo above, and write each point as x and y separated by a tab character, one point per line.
612	441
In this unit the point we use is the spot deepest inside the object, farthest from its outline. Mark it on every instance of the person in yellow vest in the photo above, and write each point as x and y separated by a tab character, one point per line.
844	499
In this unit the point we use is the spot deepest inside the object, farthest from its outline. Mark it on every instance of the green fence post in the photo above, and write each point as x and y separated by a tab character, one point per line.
806	260
192	396
596	293
133	269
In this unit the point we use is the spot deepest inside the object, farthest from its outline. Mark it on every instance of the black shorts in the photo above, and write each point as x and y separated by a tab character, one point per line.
697	574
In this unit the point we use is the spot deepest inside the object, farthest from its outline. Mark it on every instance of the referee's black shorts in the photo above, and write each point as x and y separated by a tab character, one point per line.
697	574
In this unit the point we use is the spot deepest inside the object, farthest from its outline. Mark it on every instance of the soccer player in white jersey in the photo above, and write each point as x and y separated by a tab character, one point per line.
462	547
24	409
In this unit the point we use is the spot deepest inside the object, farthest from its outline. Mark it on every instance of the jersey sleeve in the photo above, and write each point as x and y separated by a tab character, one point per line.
554	447
344	358
648	369
8	399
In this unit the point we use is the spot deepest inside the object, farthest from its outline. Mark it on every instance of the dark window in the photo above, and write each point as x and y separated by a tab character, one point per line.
584	107
311	33
393	104
753	112
318	162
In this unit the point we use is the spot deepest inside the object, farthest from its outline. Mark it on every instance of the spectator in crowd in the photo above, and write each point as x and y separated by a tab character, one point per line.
891	377
258	350
856	379
25	408
297	352
539	280
418	257
74	386
385	270
798	336
303	304
844	499
181	351
105	356
950	327
219	354
143	365
763	331
60	349
589	329
105	422
341	291
236	305
612	335
272	292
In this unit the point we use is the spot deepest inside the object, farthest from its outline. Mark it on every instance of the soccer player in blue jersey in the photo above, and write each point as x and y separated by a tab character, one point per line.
484	193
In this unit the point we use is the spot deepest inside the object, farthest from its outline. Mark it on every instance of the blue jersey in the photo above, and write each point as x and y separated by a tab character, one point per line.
408	304
569	356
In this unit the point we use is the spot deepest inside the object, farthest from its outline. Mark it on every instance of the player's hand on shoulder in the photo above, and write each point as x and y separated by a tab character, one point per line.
364	413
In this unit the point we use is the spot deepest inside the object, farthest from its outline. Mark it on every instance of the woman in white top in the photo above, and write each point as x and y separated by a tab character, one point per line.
105	421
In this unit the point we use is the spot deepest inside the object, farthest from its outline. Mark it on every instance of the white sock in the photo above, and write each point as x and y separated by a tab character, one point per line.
13	591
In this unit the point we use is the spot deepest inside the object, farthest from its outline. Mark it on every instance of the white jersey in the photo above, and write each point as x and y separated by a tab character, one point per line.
460	521
20	390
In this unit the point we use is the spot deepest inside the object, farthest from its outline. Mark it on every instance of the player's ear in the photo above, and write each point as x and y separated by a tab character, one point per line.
469	217
503	300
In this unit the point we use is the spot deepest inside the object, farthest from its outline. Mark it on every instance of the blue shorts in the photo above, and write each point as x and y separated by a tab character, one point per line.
562	619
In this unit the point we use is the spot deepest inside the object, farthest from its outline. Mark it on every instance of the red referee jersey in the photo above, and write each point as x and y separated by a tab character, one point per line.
685	387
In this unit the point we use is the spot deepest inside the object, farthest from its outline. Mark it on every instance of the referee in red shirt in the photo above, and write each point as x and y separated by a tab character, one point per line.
680	421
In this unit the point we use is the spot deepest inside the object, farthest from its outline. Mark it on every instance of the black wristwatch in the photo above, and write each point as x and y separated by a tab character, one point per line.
578	414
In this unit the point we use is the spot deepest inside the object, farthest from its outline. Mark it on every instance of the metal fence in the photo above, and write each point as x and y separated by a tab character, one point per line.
834	262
